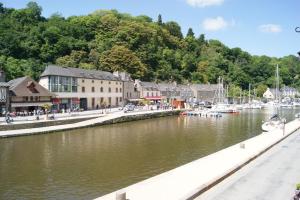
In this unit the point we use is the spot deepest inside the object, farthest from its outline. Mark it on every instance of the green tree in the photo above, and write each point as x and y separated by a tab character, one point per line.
190	33
159	20
120	58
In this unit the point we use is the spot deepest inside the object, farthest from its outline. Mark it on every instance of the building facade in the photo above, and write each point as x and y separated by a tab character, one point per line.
130	92
82	89
148	90
205	92
27	95
268	94
289	92
4	98
4	94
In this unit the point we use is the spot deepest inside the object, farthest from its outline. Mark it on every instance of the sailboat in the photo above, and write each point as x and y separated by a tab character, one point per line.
254	104
220	106
275	122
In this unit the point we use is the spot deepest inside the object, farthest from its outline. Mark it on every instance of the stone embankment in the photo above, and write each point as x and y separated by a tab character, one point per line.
192	179
117	117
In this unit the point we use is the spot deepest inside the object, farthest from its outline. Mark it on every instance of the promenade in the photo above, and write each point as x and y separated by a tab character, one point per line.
273	175
99	120
192	179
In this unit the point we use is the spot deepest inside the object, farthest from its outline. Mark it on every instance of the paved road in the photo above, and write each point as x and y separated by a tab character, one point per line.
272	176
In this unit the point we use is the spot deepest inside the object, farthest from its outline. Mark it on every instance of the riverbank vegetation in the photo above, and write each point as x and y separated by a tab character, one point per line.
151	50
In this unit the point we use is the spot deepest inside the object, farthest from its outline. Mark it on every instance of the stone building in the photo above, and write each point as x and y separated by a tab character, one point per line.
130	92
205	92
4	94
81	88
148	90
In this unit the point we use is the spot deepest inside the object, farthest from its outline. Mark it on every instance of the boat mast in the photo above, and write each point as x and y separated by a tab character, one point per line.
249	94
277	98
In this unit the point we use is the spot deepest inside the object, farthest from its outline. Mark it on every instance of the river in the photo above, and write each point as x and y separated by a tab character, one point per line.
88	163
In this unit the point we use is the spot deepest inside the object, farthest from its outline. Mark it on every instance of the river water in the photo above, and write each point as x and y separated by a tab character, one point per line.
88	163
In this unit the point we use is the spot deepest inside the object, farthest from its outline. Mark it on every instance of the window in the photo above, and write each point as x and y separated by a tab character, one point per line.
92	81
82	80
83	89
109	101
74	84
109	89
130	94
101	82
120	99
101	89
31	98
147	94
101	100
120	89
109	82
127	94
93	89
117	90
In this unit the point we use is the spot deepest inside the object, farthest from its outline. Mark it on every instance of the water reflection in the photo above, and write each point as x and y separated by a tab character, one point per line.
87	163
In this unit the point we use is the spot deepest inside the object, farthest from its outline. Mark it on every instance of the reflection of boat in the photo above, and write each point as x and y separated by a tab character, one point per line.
274	123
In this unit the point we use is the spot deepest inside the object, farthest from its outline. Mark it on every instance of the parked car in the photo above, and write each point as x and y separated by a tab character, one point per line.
129	107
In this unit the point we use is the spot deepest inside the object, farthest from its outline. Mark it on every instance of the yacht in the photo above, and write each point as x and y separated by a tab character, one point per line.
273	123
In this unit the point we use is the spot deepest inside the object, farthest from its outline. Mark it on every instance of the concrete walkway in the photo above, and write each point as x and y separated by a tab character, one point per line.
274	176
86	123
189	180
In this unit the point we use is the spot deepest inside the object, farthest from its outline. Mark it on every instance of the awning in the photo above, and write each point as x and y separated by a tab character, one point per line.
75	100
15	105
135	99
154	98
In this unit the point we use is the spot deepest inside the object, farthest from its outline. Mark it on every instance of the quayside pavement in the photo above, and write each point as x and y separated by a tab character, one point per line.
103	119
191	180
273	175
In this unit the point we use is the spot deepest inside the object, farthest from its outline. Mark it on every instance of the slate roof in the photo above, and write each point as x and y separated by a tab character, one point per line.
205	87
3	84
79	73
166	86
19	87
149	86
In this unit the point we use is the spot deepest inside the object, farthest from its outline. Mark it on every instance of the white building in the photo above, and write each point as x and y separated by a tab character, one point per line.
268	94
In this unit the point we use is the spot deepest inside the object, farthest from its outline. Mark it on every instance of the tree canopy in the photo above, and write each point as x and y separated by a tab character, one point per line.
150	50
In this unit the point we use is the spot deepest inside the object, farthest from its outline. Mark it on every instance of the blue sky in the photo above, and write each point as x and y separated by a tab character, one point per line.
261	27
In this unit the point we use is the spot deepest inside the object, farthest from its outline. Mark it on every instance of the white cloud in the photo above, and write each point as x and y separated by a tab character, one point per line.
215	24
204	3
270	28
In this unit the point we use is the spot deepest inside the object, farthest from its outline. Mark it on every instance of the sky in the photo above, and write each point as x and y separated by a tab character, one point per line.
260	27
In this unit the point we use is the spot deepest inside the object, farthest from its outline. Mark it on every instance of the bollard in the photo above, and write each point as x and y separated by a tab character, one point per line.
242	145
121	195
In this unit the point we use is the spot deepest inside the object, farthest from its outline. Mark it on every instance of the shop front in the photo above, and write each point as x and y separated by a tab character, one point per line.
64	104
